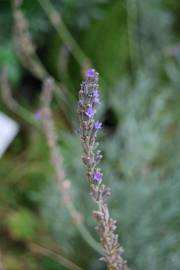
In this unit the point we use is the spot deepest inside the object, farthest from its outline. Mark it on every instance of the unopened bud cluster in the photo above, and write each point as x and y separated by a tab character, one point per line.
89	98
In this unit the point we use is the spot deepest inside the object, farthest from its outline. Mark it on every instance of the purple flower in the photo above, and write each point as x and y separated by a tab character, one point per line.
90	73
89	112
98	176
96	100
98	125
81	102
38	115
96	93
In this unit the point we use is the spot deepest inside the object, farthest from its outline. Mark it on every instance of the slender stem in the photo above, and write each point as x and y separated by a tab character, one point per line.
64	33
85	233
131	8
36	248
12	104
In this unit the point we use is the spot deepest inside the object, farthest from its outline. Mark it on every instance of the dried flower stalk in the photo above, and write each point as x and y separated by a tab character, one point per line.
25	46
89	97
26	50
64	185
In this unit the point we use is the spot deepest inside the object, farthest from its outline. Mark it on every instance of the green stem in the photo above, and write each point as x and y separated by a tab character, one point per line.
54	255
27	116
131	8
84	232
63	32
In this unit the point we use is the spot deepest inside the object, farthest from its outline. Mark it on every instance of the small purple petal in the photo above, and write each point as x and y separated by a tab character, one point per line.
89	112
81	102
96	101
98	125
96	93
38	115
98	176
96	96
90	73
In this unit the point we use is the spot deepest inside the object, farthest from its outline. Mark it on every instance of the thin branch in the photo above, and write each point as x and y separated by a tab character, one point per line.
39	249
131	9
58	23
11	103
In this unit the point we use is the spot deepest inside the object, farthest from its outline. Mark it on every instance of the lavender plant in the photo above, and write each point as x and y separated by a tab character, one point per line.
89	98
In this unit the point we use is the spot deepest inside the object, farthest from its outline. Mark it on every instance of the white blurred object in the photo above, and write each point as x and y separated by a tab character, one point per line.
8	131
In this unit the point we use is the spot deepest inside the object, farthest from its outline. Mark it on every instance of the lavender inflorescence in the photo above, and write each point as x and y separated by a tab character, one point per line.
89	98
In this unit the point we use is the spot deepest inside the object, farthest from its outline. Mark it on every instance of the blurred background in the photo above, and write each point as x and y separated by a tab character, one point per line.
135	46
